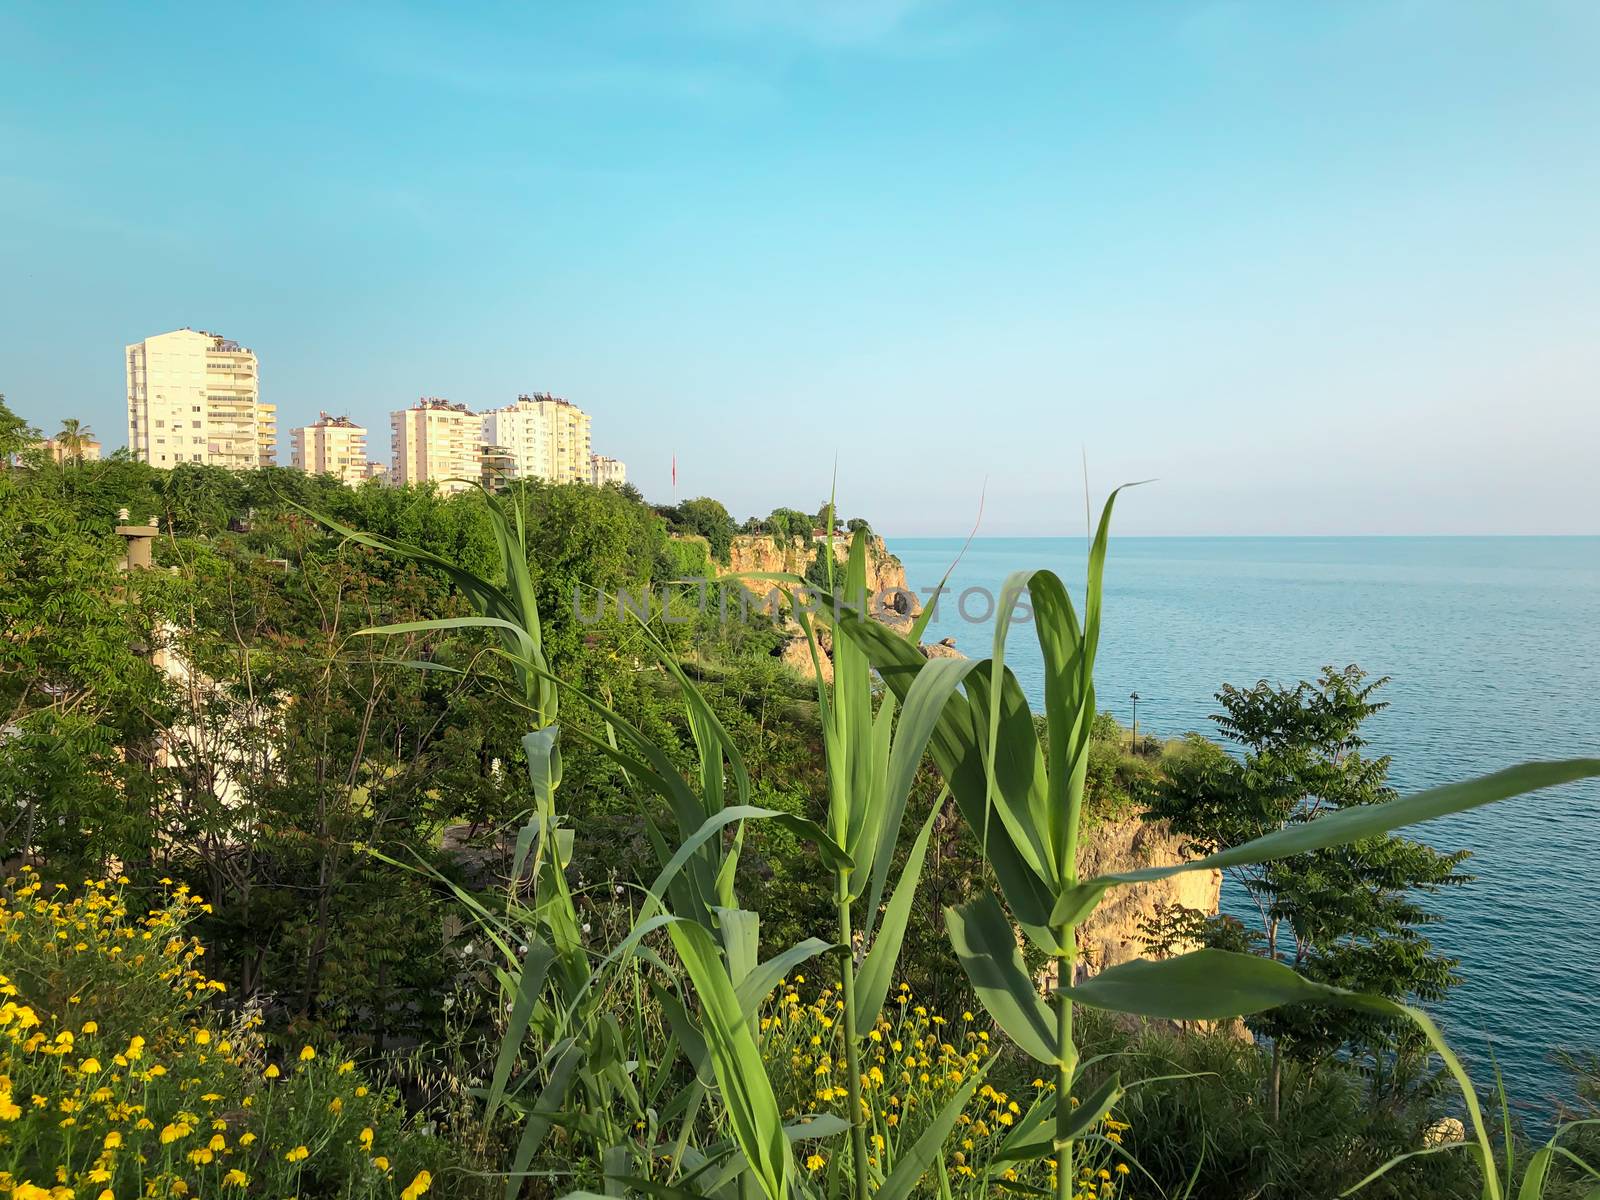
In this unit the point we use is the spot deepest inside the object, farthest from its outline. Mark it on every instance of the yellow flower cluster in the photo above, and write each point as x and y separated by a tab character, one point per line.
118	1083
913	1062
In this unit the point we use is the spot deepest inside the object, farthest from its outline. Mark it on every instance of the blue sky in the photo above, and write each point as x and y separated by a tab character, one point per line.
1319	268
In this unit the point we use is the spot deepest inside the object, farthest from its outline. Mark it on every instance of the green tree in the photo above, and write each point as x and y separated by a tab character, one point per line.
15	433
787	524
1349	915
583	539
709	519
80	699
297	744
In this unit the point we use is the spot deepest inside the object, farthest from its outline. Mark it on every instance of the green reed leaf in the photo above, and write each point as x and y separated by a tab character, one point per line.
1353	824
736	1061
986	945
958	745
529	983
1085	1117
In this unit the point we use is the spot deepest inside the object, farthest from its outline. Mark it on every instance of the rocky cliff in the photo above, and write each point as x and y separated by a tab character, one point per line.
892	601
1121	928
886	575
1115	932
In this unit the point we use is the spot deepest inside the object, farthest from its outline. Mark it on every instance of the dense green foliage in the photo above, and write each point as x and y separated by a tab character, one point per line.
424	764
703	517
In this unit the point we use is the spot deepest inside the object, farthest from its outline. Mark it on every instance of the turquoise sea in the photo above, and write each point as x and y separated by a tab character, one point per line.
1494	649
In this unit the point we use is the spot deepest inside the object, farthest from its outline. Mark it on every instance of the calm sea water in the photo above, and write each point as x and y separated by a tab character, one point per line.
1494	649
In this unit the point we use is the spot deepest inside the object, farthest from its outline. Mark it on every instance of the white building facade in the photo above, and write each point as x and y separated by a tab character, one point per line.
603	470
547	438
435	441
333	446
194	397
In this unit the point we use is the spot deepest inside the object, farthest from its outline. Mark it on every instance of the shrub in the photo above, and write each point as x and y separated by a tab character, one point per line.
120	1076
1210	1113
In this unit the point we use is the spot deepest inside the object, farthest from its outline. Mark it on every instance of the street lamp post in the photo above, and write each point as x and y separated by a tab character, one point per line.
1134	696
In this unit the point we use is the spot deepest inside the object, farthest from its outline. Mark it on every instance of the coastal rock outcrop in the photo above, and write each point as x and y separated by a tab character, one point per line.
1117	931
893	599
893	602
1129	918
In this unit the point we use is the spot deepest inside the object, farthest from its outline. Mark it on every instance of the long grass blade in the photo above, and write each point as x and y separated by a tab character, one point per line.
1367	820
1085	1117
530	982
957	746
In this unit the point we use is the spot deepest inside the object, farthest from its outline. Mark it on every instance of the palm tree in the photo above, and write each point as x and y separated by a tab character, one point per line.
73	439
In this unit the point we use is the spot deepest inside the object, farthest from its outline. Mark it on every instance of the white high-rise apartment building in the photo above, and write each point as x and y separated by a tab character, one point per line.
195	397
333	446
435	440
603	470
547	438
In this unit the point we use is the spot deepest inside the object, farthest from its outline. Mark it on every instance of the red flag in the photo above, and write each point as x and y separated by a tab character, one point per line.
674	472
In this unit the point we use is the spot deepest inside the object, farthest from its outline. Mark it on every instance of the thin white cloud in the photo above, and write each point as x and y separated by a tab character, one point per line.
895	27
505	65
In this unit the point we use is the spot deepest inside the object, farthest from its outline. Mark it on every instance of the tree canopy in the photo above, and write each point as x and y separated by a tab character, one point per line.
1350	916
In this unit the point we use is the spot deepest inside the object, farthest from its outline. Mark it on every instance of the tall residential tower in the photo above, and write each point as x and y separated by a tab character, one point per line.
546	437
435	440
195	397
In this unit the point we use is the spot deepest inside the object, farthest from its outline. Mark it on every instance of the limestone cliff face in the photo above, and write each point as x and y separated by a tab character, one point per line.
886	575
892	601
1114	933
